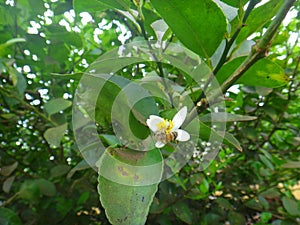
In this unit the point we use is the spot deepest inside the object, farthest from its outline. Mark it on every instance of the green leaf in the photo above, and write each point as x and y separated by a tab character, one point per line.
9	43
128	181
83	198
225	117
117	4
266	161
235	3
82	165
258	18
290	206
30	191
46	187
265	217
183	212
18	80
199	25
223	202
57	105
89	6
100	5
59	170
206	132
54	135
236	218
263	73
9	217
263	202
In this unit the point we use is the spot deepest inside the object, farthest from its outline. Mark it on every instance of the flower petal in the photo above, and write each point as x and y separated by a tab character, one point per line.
179	118
153	121
159	144
182	135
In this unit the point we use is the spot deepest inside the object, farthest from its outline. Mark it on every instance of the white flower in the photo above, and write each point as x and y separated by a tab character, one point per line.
168	130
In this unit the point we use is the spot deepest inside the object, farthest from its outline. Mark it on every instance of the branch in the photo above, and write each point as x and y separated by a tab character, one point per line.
259	50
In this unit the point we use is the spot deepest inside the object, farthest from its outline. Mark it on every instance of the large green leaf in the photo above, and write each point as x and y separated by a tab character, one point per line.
263	73
128	181
200	25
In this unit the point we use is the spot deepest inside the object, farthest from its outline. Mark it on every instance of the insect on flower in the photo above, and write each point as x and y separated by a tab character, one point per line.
166	130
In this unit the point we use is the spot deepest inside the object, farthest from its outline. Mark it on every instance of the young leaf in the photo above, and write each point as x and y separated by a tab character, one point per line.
199	25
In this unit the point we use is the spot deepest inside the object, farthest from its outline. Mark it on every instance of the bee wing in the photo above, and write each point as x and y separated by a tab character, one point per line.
179	118
159	144
182	135
153	121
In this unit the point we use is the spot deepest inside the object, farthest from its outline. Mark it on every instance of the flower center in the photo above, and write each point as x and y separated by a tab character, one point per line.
165	125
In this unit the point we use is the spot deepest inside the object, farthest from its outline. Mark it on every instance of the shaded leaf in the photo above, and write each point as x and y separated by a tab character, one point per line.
7	184
183	212
30	191
55	134
7	170
59	170
223	202
236	218
82	165
266	161
203	37
57	105
9	217
290	206
46	187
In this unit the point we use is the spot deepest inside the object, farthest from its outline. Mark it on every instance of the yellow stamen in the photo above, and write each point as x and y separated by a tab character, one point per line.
166	125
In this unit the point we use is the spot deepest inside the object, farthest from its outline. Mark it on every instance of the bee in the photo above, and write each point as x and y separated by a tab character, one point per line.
164	137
